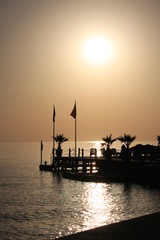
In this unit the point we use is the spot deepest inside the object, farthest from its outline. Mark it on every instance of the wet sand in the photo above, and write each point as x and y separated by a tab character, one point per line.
146	227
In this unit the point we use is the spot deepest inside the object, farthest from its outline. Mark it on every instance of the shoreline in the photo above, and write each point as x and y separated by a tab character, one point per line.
140	228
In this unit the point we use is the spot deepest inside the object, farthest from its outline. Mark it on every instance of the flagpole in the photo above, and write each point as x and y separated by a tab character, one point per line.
75	139
41	151
74	115
53	129
53	137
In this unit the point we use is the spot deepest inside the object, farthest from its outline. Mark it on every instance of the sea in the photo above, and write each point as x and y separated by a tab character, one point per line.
42	205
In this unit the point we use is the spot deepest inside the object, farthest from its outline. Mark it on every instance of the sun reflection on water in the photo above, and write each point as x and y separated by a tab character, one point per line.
97	205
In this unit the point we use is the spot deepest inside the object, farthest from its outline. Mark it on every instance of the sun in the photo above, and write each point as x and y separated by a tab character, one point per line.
97	50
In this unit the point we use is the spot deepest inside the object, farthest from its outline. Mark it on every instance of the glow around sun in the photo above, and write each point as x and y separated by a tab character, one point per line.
98	50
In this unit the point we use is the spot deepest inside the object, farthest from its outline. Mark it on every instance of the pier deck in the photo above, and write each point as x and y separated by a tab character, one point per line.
71	163
99	170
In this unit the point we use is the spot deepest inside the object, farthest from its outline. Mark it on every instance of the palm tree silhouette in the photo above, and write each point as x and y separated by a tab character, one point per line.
127	139
158	139
125	151
108	141
60	139
106	151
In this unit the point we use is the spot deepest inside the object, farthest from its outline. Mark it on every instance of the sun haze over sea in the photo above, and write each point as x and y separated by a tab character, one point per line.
103	54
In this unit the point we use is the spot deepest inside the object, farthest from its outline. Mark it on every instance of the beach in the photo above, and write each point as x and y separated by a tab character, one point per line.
141	228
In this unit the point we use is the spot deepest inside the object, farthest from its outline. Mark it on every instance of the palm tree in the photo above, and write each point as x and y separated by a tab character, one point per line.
158	139
60	139
127	140
108	141
125	151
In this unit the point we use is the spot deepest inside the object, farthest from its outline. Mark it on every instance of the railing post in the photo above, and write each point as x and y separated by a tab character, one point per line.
82	152
79	152
69	153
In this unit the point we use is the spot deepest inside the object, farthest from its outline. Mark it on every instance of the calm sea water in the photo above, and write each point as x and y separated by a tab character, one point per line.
43	205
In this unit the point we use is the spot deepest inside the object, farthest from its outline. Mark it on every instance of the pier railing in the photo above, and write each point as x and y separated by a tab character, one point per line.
83	162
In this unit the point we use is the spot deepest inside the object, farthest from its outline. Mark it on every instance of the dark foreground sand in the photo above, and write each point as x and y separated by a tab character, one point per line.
146	227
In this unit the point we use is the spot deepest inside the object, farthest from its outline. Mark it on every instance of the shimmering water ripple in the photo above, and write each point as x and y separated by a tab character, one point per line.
42	205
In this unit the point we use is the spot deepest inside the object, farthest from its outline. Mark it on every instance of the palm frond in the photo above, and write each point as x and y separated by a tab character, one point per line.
108	140
127	139
60	138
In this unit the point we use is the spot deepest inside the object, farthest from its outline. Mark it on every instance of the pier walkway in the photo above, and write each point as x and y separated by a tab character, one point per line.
65	163
142	228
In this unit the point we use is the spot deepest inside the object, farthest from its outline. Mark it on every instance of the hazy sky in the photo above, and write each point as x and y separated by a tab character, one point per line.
42	63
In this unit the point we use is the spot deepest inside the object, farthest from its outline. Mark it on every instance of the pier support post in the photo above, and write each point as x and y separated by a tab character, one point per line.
84	166
73	163
82	152
91	166
84	162
96	153
58	165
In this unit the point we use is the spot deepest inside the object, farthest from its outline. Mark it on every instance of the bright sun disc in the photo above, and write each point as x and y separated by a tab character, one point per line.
98	50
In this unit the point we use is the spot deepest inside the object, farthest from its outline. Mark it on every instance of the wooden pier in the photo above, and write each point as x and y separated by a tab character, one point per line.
100	169
79	164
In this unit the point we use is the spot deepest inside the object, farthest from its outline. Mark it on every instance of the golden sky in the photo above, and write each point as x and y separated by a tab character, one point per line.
42	62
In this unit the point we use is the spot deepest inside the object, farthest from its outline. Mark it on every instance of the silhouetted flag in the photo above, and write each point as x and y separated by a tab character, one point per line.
41	146
54	113
74	112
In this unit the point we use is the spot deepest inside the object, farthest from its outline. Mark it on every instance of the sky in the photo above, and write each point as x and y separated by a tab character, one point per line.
42	62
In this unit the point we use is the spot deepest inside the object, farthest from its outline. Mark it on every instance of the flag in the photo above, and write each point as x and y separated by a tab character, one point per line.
74	112
41	145
54	113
